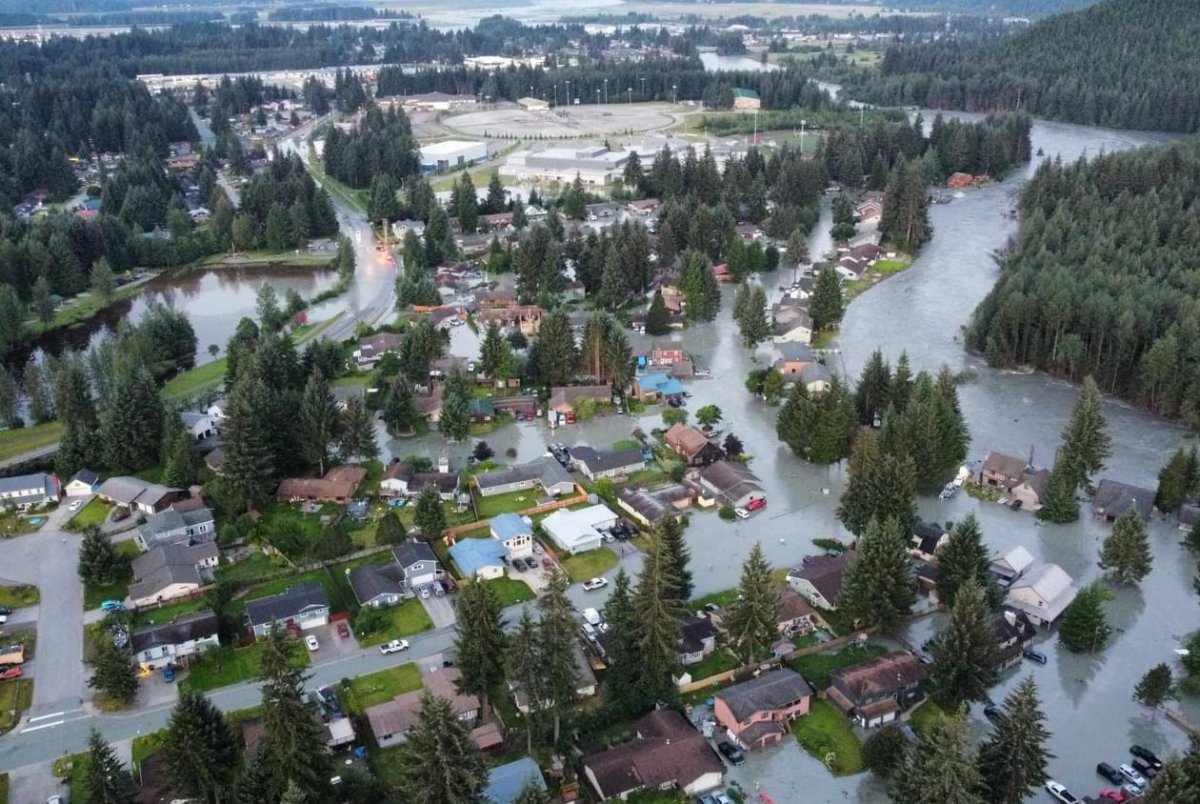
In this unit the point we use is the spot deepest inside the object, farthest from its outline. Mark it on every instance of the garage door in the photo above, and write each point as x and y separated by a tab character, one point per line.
315	622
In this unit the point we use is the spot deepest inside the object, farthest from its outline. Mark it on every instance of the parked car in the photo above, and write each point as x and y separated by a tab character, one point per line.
1146	756
395	646
10	672
756	504
343	630
547	563
741	513
1117	795
168	674
1110	773
518	565
5	610
1035	656
75	506
992	712
731	752
112	605
594	584
1144	768
589	631
311	642
721	798
1060	792
424	592
706	798
1132	776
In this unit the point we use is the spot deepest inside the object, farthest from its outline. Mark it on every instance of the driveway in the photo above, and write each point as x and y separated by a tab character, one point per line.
440	610
333	647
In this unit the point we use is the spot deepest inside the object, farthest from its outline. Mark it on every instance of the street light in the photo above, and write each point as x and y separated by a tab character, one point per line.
606	91
597	96
568	93
802	124
643	88
556	94
631	96
672	94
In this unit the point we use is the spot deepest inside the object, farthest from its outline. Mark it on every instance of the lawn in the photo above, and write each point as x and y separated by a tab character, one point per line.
721	599
3	788
510	591
718	661
925	716
197	381
589	564
73	768
627	443
168	614
406	619
497	504
363	692
337	587
360	380
16	597
14	443
14	524
816	668
94	513
225	665
827	735
15	697
94	595
255	566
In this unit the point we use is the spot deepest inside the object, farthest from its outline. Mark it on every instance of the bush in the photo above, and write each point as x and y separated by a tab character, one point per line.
884	750
726	513
369	620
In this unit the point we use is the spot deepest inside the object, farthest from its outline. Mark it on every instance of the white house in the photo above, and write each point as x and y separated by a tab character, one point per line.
1043	593
175	642
512	531
579	531
304	605
170	571
84	482
28	491
202	426
176	527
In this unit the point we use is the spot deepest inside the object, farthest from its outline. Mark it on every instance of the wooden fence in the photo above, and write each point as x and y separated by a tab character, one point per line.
748	669
580	496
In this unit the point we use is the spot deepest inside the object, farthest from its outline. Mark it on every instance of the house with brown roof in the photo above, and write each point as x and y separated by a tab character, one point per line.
693	445
1014	633
1001	470
337	486
372	349
877	691
666	753
731	483
391	721
819	579
429	404
561	408
526	318
793	614
756	713
651	507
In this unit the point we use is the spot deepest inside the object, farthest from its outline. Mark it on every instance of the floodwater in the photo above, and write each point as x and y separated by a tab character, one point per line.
714	63
922	311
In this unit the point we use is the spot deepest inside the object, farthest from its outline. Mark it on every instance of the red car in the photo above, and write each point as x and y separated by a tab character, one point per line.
756	503
343	629
10	673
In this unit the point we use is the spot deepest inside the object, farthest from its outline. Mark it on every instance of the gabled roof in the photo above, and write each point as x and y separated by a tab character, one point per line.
508	526
665	750
883	674
169	564
545	469
928	535
371	581
692	633
607	460
173	521
287	603
573	393
506	782
687	440
794	352
411	552
1009	624
473	555
1113	498
85	476
1014	562
1047	582
731	479
824	573
1008	465
770	691
189	628
131	490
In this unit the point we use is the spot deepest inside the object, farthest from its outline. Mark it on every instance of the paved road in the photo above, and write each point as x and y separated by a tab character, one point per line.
32	454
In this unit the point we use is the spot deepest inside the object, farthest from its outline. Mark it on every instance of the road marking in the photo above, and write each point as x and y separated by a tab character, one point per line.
46	717
55	723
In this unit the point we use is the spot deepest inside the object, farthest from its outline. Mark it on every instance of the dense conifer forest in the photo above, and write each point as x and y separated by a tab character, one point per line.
1121	63
1103	278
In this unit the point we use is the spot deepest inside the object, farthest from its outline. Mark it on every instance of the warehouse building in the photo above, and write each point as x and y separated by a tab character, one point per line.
451	154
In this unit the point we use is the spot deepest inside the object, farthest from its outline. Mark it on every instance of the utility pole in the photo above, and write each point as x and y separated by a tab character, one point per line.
631	96
673	87
605	91
643	89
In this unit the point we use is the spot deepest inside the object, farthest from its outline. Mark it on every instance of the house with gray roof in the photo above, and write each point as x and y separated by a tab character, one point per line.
81	483
170	571
651	507
506	783
595	464
377	585
28	491
302	606
545	473
175	642
418	564
1042	594
756	713
1113	499
176	527
731	483
137	494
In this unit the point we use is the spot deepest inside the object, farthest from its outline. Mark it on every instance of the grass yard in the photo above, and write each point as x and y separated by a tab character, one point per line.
14	443
406	619
197	381
719	661
589	564
14	524
722	599
925	716
171	613
627	443
223	666
497	504
816	668
360	380
371	690
510	591
15	697
94	513
387	767
147	745
827	735
337	587
3	788
73	768
16	597
254	566
94	595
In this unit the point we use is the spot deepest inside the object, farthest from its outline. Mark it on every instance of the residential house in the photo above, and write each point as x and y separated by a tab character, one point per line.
201	426
506	783
28	491
793	614
791	322
819	579
1012	565
1113	499
794	357
1043	593
1014	633
372	349
581	530
478	559
524	318
429	403
1031	489
302	606
697	640
816	378
585	682
644	207
544	472
514	533
731	483
927	539
657	386
418	564
497	221
83	482
651	507
175	642
137	495
693	445
596	464
481	411
391	721
563	401
1001	470
173	526
403	480
878	691
169	571
756	713
1189	515
377	585
666	753
337	486
870	209
663	355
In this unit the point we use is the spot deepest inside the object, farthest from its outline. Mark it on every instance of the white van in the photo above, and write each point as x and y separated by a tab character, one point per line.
591	616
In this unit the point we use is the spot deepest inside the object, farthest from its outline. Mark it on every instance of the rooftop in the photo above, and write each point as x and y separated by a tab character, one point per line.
473	555
508	526
188	628
773	690
287	603
866	680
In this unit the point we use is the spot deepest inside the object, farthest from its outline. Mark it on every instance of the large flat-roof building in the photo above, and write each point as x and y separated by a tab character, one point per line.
594	164
451	154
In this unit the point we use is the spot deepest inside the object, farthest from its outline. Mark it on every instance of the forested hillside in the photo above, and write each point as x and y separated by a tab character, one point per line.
1104	278
1121	63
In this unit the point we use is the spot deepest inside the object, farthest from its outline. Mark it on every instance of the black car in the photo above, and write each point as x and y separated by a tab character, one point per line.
1147	756
5	610
1145	768
1110	773
731	752
1035	656
992	712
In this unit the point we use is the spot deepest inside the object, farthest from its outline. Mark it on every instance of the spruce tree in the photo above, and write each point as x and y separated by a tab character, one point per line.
440	760
878	587
963	558
99	562
293	742
658	320
1013	759
1156	687
319	421
670	532
941	768
430	515
1086	439
964	651
753	621
390	529
557	635
455	418
479	642
201	756
399	412
356	440
884	751
1176	481
1059	505
79	446
1126	551
293	794
827	304
902	384
1084	627
113	674
107	780
247	473
658	618
495	351
880	487
621	680
556	355
524	669
132	423
871	397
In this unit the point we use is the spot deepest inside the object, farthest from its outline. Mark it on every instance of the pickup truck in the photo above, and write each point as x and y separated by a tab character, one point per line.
395	646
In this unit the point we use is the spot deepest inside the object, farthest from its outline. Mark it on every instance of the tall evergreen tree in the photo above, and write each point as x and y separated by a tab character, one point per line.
440	761
1126	551
113	674
753	621
248	470
905	219
701	293
356	439
621	680
878	587
79	447
1178	481
455	418
556	354
881	487
99	561
200	754
658	618
670	533
479	643
1084	627
293	742
319	420
430	515
658	320
827	304
107	780
399	412
964	558
131	426
872	395
1058	503
941	768
495	352
557	630
524	666
1086	439
964	651
1156	687
1013	759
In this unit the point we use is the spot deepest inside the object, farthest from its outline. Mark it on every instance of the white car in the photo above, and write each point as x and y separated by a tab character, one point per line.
594	584
741	513
395	646
1060	792
311	642
75	506
1133	777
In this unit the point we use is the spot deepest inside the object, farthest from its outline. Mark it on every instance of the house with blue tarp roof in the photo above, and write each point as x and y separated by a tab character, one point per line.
505	782
657	386
481	559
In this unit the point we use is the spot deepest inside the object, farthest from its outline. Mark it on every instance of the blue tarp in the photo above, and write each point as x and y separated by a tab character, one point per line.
506	526
506	782
473	555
